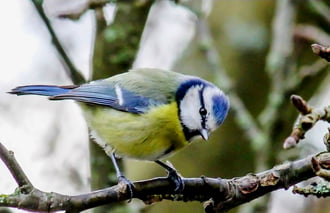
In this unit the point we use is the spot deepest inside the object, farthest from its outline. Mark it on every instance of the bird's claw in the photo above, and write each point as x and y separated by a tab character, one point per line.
129	186
175	178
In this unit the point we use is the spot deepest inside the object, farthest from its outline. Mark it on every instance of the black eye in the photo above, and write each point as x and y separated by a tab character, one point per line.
202	111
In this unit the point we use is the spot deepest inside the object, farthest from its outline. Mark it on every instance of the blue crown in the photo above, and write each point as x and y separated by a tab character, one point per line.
220	107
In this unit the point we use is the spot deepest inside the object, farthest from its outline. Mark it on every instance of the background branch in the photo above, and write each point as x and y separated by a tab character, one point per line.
69	67
311	33
321	8
79	11
243	117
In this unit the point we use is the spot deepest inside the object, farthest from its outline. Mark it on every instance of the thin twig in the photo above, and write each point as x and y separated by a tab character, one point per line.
16	171
312	33
321	8
70	69
306	71
322	51
308	118
313	69
279	61
80	10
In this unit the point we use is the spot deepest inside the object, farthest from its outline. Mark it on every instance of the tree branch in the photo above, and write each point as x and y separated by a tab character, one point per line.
321	8
311	33
309	116
323	52
224	193
16	171
312	70
279	61
83	8
70	68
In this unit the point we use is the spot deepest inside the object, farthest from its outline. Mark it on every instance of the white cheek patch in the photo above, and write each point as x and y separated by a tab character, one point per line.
190	106
209	93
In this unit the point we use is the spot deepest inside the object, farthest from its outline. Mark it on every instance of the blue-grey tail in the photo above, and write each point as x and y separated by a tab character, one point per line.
45	90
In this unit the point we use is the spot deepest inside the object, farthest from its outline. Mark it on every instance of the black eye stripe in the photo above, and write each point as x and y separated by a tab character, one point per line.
201	99
202	110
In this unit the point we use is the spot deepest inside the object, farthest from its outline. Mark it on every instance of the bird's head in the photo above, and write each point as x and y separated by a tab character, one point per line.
202	107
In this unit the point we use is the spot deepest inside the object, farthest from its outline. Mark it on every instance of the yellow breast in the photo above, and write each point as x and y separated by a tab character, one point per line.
147	136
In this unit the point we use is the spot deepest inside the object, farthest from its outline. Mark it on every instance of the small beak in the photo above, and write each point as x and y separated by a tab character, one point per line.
204	133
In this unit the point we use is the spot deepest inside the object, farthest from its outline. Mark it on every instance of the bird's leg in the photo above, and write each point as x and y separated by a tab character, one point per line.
173	175
121	177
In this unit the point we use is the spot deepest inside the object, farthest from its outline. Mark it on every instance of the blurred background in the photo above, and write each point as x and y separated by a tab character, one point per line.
257	51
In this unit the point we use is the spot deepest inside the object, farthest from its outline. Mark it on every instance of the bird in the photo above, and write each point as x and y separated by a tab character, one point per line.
144	114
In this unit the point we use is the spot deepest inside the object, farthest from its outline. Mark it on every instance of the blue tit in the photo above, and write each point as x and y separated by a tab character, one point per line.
145	114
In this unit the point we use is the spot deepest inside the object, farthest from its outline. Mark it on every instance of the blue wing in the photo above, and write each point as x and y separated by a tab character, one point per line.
134	91
45	90
112	96
108	95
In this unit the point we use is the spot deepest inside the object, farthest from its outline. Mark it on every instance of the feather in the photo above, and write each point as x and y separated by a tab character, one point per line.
45	90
